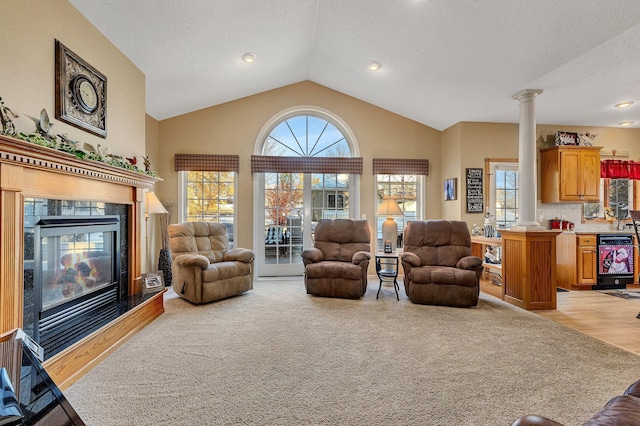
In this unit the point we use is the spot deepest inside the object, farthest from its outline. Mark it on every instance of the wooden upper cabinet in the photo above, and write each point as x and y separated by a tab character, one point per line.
570	173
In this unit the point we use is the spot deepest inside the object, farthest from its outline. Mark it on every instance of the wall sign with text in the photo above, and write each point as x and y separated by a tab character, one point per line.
475	200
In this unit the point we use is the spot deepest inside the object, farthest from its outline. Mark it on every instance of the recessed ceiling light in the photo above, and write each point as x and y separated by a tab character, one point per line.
624	104
249	57
374	66
626	123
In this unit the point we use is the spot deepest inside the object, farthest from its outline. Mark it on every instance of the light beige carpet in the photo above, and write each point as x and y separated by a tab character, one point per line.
277	356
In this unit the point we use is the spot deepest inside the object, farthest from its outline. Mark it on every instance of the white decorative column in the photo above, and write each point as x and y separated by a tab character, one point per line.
527	161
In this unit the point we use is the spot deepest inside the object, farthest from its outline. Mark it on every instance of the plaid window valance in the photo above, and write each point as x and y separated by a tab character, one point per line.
207	163
400	166
272	164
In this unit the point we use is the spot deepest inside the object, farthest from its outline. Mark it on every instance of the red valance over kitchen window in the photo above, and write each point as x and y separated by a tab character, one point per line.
620	169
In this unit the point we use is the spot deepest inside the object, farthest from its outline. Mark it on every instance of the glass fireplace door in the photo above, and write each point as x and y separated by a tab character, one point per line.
76	278
74	261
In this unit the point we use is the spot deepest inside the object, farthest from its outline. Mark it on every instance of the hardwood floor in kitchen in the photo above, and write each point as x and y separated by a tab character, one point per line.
607	318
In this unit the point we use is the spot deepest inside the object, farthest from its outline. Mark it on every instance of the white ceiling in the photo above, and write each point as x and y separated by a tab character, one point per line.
443	61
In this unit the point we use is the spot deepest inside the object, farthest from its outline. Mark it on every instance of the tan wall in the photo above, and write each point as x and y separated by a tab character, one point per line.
450	169
152	141
466	145
480	141
28	72
608	137
233	128
152	138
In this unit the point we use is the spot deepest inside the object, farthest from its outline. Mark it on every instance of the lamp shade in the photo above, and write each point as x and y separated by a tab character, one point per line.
389	207
154	206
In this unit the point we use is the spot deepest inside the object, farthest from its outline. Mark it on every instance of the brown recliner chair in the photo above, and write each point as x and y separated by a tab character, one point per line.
204	268
438	266
337	265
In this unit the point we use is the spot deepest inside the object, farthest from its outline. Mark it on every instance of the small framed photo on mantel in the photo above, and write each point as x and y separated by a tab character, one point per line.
152	282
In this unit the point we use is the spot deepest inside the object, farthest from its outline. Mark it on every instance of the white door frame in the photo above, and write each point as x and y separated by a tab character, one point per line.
258	184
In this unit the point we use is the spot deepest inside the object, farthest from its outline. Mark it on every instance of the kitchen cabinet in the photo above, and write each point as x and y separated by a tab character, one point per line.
570	173
529	274
587	259
577	260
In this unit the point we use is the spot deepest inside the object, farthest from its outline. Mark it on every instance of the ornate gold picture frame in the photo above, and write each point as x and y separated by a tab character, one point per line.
81	93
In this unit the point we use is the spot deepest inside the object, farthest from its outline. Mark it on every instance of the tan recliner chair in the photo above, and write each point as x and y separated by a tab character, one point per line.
438	266
337	265
204	268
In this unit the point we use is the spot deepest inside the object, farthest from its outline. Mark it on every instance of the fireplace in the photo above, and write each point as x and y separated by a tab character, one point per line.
39	182
76	278
75	270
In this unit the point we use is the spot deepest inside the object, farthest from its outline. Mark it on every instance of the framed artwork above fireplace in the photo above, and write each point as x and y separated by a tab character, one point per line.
81	93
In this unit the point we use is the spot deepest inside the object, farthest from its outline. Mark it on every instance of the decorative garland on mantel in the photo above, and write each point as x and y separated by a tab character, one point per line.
27	154
43	136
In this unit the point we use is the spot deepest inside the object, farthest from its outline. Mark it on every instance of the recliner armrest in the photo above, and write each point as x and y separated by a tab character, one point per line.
411	258
360	256
633	390
469	262
239	254
312	255
192	259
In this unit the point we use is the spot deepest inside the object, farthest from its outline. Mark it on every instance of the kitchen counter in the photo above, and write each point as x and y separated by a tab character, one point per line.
577	258
583	232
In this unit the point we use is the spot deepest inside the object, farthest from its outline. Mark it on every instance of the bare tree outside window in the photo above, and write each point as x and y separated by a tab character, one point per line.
283	196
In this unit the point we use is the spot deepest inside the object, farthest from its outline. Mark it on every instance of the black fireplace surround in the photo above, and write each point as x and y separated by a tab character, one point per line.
75	274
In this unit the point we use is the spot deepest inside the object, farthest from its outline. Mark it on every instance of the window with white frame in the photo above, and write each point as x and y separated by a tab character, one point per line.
208	185
404	189
210	197
503	203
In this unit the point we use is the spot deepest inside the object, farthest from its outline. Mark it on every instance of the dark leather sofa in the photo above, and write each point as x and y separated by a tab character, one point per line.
620	411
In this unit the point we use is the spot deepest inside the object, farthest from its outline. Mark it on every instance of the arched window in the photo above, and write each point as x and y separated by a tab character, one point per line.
306	172
306	136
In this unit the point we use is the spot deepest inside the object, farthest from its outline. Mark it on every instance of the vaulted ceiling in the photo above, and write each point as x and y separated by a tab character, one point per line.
443	61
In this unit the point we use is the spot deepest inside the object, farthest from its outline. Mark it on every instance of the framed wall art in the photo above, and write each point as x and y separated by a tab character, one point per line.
81	93
450	189
475	200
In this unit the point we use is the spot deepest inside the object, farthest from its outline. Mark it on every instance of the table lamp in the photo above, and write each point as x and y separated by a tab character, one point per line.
389	208
153	206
